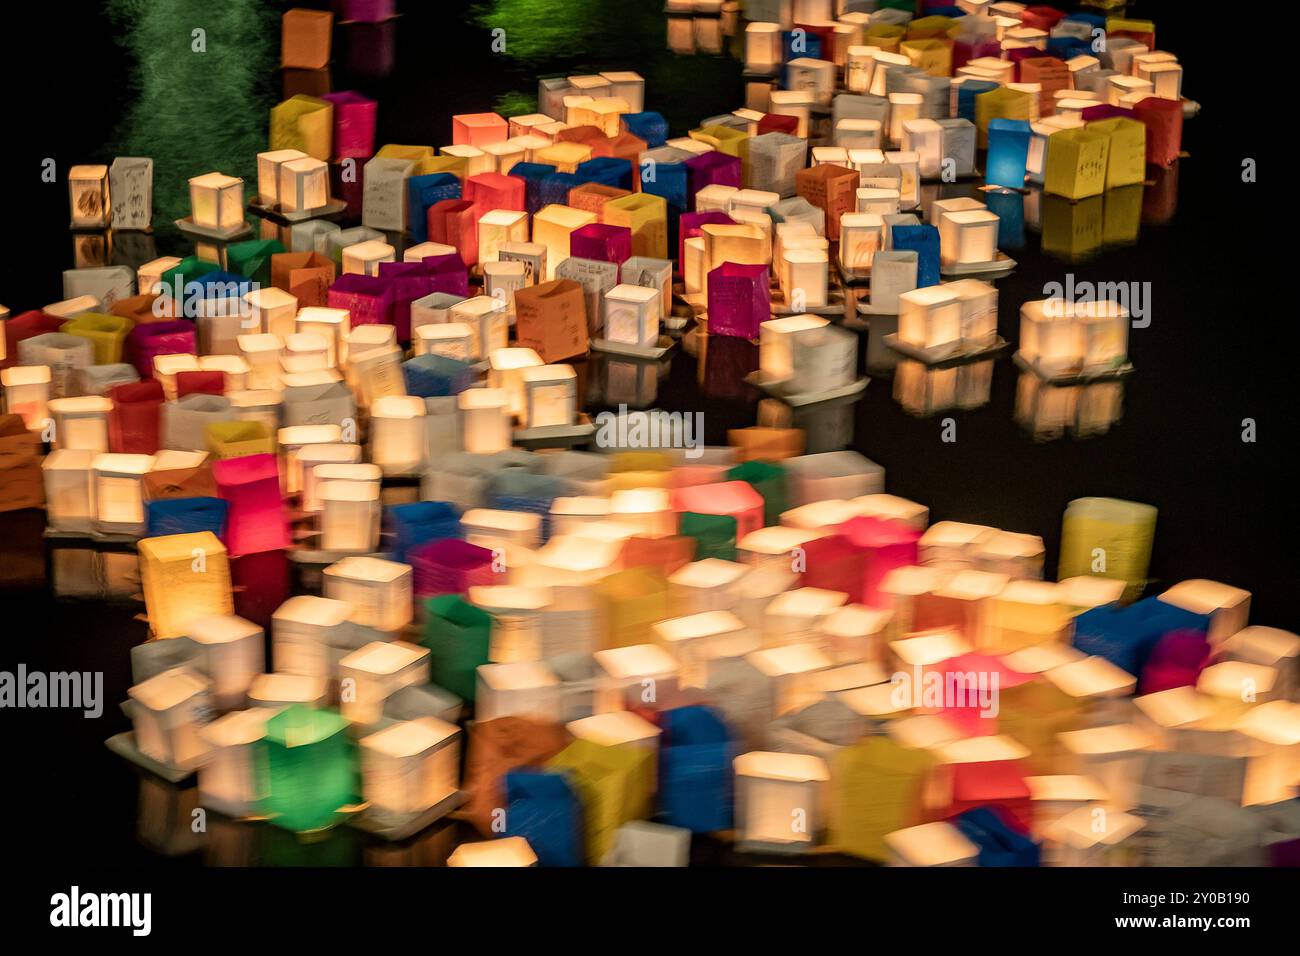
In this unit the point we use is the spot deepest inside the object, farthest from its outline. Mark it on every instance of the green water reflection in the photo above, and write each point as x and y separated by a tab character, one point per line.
195	112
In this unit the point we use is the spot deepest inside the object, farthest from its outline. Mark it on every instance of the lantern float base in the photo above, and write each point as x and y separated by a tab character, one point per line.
556	436
394	827
124	746
834	305
332	208
948	361
657	351
776	388
1072	378
188	226
94	537
1001	265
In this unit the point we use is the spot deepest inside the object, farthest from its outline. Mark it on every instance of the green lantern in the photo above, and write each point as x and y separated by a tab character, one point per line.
311	767
769	481
457	635
253	259
715	535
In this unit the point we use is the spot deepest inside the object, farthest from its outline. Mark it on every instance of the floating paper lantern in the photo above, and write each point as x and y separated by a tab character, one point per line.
1268	647
1059	337
27	393
550	396
311	457
217	202
411	767
310	635
231	655
1113	754
521	688
350	516
1085	837
397	433
791	669
1227	607
81	423
88	191
1109	534
779	800
186	577
488	318
931	844
252	487
119	496
378	591
168	713
230	780
372	674
636	675
507	851
69	490
691	639
278	691
485	420
332	325
311	769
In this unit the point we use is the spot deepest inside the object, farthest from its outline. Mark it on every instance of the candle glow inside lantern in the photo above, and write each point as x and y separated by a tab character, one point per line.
397	433
378	591
707	585
231	652
411	767
269	165
372	674
550	396
81	423
88	192
217	202
185	578
169	711
332	325
929	320
27	393
518	688
485	420
552	227
791	670
230	779
364	258
69	497
638	675
1227	607
694	638
350	513
488	318
1114	754
453	340
632	315
1061	337
807	353
311	767
310	635
779	800
931	844
119	493
505	852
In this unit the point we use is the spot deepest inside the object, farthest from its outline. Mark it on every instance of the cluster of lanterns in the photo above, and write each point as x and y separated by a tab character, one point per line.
653	643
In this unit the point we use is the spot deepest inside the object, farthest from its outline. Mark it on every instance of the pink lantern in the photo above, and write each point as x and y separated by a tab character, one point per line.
479	129
601	242
251	486
886	545
354	124
740	299
735	498
450	566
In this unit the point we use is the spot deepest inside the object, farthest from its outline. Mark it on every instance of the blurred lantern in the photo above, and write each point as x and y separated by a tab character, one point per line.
231	653
310	766
779	800
169	710
186	577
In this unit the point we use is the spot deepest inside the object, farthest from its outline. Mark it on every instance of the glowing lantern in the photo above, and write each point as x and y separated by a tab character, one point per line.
230	780
505	852
520	688
693	639
550	396
217	202
779	800
332	325
1120	532
485	420
69	497
350	513
1085	837
88	191
931	844
794	616
372	674
1227	607
119	495
278	691
310	635
410	768
81	424
792	671
311	457
378	591
854	633
27	393
1113	754
169	711
186	577
639	674
397	433
311	768
706	585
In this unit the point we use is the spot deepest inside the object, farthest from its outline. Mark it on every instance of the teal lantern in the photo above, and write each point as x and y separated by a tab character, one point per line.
311	766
